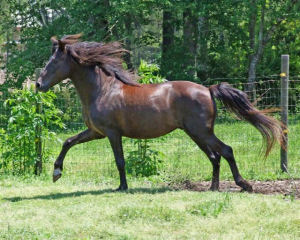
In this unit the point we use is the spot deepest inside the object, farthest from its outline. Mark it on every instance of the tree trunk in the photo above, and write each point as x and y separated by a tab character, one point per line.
103	22
167	41
250	89
138	50
44	16
128	42
202	48
190	43
256	47
7	48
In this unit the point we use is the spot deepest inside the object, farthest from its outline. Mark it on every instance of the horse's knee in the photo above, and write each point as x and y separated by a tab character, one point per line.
215	158
67	143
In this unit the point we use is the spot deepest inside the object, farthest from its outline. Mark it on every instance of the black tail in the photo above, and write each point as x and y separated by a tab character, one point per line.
237	101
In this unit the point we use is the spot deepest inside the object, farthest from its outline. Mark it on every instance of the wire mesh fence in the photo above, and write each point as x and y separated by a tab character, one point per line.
180	156
4	113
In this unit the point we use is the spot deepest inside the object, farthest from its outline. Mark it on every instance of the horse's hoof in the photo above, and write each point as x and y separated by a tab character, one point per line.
214	185
247	188
121	189
56	174
214	188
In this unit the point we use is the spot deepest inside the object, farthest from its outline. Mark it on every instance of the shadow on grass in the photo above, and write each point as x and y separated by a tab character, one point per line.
53	196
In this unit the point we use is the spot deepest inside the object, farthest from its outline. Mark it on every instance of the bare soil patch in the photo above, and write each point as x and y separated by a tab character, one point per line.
284	187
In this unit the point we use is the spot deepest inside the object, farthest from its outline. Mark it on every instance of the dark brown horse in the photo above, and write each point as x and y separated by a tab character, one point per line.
115	105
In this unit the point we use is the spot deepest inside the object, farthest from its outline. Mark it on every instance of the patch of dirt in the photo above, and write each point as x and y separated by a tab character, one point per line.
284	187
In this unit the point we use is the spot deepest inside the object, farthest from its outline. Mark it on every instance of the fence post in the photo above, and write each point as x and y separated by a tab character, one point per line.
38	131
284	102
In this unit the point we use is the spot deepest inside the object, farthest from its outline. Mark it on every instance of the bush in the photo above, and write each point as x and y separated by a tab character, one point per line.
144	161
68	102
149	73
27	124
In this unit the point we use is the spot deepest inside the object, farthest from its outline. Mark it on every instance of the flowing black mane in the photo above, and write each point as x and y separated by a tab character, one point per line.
108	56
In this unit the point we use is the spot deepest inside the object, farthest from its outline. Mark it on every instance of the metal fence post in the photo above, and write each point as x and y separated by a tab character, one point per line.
284	110
38	131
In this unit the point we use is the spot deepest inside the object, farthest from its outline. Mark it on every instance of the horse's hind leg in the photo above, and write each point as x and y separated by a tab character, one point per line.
226	151
214	158
215	161
213	147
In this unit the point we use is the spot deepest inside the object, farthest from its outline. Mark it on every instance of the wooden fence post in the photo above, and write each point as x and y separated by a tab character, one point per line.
284	103
38	139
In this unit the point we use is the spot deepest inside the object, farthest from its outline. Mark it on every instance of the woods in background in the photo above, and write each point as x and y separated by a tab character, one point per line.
189	39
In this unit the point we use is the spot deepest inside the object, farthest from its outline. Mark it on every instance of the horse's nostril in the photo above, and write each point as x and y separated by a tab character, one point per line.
37	85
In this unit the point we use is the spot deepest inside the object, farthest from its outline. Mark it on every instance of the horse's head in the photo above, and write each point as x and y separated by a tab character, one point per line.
58	67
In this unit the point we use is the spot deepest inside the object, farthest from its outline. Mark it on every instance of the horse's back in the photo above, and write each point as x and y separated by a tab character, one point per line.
155	109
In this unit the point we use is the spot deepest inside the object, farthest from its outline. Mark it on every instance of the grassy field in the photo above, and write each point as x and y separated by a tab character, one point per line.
37	209
182	158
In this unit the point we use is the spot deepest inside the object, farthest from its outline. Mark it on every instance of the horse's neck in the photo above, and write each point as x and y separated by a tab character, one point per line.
91	84
87	83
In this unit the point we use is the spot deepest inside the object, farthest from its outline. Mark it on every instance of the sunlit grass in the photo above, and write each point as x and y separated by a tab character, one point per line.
37	209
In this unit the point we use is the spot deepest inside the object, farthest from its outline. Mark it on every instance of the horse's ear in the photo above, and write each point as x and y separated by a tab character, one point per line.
54	40
61	45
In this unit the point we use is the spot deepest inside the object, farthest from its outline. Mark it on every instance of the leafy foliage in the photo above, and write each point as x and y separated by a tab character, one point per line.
206	39
143	161
68	102
149	73
26	125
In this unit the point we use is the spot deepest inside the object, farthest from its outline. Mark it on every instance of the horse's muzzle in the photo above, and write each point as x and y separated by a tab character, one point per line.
41	87
37	85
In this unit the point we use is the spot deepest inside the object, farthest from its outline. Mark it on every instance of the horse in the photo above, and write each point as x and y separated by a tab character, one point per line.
114	105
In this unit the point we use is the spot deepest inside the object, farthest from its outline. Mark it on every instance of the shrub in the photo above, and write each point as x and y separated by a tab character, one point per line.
26	125
149	73
143	161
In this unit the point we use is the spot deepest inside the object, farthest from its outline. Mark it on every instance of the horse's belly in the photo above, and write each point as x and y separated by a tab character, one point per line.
148	125
147	133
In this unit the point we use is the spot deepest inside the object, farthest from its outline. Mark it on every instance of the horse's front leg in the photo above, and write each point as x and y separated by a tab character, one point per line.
115	140
82	137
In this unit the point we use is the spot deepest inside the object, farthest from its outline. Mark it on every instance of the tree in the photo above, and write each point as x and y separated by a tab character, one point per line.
167	40
192	40
267	24
190	43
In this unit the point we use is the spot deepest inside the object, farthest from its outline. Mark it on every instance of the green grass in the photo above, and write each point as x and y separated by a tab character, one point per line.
183	159
37	209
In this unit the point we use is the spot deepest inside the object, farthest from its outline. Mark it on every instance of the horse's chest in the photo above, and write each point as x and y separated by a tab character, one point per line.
93	121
